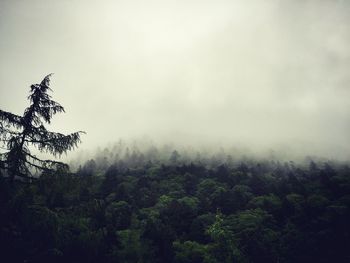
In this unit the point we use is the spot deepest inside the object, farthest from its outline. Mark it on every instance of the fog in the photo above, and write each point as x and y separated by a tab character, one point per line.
260	75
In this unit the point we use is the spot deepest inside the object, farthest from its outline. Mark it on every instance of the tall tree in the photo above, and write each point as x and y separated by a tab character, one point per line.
18	133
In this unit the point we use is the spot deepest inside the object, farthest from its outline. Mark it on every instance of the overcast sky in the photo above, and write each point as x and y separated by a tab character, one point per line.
253	73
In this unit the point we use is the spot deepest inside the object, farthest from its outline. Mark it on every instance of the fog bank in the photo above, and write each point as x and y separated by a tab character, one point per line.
257	75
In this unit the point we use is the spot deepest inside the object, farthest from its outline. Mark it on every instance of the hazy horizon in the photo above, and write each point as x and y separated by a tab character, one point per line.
258	75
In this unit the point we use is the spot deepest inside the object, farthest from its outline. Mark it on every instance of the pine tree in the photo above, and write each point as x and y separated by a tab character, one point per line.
18	133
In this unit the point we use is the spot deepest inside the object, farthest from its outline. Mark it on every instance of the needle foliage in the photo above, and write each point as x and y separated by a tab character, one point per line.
19	133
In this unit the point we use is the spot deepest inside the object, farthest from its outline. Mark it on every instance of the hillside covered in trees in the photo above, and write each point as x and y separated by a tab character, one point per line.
236	121
140	207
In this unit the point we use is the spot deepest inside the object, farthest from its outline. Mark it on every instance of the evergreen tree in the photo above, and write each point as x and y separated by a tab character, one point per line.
18	133
174	157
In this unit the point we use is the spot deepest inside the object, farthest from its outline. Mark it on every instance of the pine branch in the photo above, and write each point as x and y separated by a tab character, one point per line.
4	130
45	83
44	163
43	105
42	168
11	119
52	142
46	112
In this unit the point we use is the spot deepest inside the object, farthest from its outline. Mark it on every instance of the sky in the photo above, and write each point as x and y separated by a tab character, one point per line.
258	74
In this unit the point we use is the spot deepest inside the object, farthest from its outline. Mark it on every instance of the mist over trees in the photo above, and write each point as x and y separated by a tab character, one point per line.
140	201
138	152
153	204
235	119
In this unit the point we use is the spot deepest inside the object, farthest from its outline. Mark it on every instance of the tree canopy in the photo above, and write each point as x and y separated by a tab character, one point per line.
127	211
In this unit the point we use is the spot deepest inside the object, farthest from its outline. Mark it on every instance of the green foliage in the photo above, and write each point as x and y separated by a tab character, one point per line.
190	252
130	249
270	203
224	248
179	213
118	214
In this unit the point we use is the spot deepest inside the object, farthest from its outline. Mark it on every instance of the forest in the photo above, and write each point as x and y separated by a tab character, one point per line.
196	131
139	207
135	204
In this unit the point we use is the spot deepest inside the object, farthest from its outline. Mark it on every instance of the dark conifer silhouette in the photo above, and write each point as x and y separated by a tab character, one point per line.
17	133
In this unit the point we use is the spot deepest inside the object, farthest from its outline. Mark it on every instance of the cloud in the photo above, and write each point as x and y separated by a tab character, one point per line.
258	73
